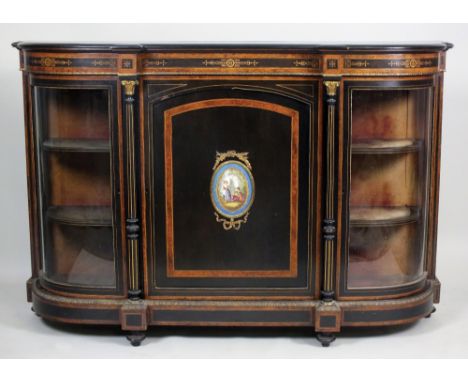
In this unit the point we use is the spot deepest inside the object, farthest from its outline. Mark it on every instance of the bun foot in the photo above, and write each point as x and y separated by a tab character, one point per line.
432	311
32	309
326	339
136	338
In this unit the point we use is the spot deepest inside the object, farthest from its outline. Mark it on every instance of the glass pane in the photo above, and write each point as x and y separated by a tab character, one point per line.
74	153
390	137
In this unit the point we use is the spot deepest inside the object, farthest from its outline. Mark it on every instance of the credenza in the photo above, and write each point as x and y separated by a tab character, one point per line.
233	184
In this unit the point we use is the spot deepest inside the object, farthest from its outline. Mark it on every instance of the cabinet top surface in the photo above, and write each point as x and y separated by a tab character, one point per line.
390	47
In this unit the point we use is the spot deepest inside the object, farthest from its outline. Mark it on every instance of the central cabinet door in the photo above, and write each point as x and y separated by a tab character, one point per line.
231	188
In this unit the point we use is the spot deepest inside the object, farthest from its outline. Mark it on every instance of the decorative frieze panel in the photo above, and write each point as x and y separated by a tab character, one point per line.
233	63
230	63
52	62
408	63
212	63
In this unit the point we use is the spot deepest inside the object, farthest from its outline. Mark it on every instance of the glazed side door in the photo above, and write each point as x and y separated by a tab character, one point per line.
77	179
388	130
231	184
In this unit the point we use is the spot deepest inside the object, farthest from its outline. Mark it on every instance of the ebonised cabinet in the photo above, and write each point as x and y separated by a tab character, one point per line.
235	185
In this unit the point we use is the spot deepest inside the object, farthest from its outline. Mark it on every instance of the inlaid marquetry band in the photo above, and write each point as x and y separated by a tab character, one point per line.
132	221
232	62
329	222
407	63
66	62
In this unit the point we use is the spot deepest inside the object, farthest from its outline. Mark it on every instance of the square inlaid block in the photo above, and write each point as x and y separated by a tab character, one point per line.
328	317
134	316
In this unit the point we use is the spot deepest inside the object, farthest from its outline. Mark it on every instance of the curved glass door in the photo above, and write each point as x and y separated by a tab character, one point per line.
390	144
73	127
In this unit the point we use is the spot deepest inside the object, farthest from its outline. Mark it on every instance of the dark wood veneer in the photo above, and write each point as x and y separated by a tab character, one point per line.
158	115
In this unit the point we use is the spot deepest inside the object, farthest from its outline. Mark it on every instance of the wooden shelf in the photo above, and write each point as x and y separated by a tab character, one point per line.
382	216
90	216
77	145
385	146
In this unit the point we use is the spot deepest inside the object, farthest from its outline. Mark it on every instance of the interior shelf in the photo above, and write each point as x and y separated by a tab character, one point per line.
385	146
77	145
93	216
382	216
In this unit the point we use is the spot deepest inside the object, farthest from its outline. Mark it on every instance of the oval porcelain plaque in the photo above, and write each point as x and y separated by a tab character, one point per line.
232	190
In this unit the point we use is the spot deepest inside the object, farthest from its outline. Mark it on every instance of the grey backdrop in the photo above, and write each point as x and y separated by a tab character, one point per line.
444	335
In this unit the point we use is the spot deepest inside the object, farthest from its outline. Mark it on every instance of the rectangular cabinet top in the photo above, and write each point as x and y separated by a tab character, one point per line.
390	47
